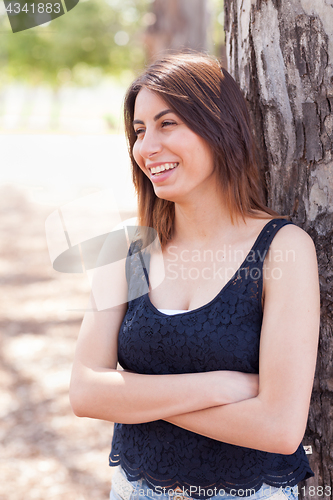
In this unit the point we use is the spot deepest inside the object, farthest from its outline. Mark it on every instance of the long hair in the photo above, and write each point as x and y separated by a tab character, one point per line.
210	103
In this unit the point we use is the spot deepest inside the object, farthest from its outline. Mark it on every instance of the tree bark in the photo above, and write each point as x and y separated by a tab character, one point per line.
177	24
281	54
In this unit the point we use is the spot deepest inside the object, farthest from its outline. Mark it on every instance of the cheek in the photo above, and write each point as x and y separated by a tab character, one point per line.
138	158
135	152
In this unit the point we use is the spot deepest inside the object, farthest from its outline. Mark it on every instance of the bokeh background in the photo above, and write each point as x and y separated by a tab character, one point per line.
61	138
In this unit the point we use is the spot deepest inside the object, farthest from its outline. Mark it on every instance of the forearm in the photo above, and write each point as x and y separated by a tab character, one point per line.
251	423
125	397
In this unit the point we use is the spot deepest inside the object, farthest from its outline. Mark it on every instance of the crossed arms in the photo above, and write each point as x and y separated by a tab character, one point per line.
268	412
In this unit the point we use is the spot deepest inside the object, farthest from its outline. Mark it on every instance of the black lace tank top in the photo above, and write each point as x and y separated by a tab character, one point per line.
221	335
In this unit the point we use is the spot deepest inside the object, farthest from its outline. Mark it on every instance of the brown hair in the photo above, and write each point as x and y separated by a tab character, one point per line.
208	100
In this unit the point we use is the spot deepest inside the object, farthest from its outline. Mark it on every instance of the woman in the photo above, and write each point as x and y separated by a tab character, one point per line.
194	418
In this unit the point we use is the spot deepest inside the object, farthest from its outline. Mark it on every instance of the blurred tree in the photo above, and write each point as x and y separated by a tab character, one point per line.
97	37
281	53
177	24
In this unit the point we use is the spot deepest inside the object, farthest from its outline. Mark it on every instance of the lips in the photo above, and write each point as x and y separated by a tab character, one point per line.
160	172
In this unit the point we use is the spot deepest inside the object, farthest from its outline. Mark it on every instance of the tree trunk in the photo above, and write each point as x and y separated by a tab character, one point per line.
281	54
177	24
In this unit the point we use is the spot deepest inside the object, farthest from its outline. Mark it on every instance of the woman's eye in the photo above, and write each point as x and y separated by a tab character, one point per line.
166	123
139	131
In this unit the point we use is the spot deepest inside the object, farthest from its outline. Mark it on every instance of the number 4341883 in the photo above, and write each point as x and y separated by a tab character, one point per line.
15	8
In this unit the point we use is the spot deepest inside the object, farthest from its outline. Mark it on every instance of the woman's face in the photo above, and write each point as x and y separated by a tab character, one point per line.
178	162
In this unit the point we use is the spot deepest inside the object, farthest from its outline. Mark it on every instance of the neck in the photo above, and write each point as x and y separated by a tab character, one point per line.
201	224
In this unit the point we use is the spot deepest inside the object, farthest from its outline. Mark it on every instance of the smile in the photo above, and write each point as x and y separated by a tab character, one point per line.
162	168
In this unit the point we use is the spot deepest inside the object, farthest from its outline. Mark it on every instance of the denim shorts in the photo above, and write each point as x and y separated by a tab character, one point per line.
122	489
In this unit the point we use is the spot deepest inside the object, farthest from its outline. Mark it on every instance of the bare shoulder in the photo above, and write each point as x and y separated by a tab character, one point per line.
290	267
292	243
292	234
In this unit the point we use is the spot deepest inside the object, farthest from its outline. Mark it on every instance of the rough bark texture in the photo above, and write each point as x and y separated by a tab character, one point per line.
177	24
281	54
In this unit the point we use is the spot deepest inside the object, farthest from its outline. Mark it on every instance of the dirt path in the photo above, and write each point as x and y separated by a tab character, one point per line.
46	453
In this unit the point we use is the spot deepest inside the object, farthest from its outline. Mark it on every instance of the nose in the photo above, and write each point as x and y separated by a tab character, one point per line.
150	144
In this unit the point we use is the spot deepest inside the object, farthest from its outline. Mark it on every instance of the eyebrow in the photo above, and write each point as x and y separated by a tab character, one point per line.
156	117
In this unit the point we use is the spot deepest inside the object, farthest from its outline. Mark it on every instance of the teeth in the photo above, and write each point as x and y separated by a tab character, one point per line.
162	168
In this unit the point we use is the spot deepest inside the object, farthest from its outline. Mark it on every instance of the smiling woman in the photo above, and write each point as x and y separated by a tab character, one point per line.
218	360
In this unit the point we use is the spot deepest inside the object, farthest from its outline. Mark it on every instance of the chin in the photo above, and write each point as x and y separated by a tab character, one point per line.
163	194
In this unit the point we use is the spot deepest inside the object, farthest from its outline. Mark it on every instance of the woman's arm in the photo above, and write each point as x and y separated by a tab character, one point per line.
275	420
98	390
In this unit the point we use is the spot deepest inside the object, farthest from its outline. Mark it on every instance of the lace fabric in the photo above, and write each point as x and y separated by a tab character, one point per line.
221	335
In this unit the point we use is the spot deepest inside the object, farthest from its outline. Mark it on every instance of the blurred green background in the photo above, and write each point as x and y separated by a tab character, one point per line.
98	41
96	38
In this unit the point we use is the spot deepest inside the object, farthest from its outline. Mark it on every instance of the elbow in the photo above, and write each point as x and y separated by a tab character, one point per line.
87	400
287	439
81	391
78	399
77	407
287	446
76	404
284	427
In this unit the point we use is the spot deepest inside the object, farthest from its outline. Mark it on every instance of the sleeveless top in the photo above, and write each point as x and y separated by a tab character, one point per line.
221	335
